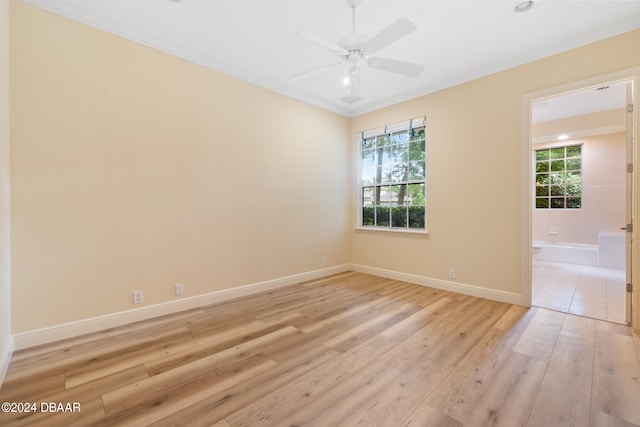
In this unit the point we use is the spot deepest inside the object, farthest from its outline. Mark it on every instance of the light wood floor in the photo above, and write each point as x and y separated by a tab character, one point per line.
349	350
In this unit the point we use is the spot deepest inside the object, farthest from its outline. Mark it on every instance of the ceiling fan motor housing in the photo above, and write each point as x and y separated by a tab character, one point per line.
353	42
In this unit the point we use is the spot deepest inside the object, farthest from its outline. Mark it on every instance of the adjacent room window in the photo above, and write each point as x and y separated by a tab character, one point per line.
559	178
393	177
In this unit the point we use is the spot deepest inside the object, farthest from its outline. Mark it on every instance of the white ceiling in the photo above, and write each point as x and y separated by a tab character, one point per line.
257	41
590	100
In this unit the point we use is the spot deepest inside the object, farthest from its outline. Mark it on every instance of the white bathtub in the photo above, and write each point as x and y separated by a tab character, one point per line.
566	253
608	253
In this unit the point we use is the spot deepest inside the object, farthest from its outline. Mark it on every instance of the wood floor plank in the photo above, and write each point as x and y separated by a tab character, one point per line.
143	391
412	324
509	400
616	377
600	419
474	375
168	400
401	397
419	344
564	398
401	355
66	359
426	416
540	336
464	334
280	404
360	333
203	345
109	338
219	405
344	397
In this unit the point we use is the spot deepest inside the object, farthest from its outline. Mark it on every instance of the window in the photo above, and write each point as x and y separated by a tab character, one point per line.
393	177
559	178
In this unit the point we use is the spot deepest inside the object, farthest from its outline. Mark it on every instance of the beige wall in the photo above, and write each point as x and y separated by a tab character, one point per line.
474	169
603	194
135	170
5	296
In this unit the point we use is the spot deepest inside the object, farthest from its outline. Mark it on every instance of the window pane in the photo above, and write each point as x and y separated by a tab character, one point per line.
542	179
557	153
368	215
368	196
556	178
542	203
399	173
400	137
368	143
574	184
573	164
399	217
383	140
557	202
416	194
574	151
400	153
542	167
368	176
394	192
386	153
385	174
416	171
557	190
383	216
403	197
417	150
418	133
542	154
542	190
416	217
368	158
557	165
383	196
574	202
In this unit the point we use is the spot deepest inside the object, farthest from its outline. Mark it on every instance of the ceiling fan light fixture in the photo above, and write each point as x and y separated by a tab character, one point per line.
523	6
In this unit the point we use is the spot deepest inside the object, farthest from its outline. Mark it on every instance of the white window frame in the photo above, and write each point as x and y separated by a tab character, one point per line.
415	123
565	171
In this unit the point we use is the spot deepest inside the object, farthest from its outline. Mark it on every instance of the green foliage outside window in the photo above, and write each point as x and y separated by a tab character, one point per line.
559	178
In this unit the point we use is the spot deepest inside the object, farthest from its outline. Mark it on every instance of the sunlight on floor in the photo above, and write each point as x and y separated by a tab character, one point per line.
580	289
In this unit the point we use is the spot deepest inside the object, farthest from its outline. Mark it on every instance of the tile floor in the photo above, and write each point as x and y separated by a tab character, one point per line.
580	289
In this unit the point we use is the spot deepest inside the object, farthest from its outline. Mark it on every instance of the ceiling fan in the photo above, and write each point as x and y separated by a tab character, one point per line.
356	49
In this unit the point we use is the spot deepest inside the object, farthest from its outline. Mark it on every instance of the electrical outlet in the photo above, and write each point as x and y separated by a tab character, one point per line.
324	261
137	297
452	273
179	289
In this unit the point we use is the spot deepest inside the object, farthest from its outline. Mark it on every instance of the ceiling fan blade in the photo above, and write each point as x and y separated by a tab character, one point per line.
389	35
314	38
310	73
400	67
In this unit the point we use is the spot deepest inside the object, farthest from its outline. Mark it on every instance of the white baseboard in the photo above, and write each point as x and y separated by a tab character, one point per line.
85	326
461	288
5	357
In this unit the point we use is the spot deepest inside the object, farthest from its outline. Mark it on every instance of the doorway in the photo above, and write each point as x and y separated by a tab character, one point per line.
581	201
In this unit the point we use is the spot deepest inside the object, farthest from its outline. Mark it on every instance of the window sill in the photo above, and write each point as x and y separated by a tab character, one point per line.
394	230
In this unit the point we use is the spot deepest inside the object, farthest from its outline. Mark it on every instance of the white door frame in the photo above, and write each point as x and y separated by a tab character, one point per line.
526	201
